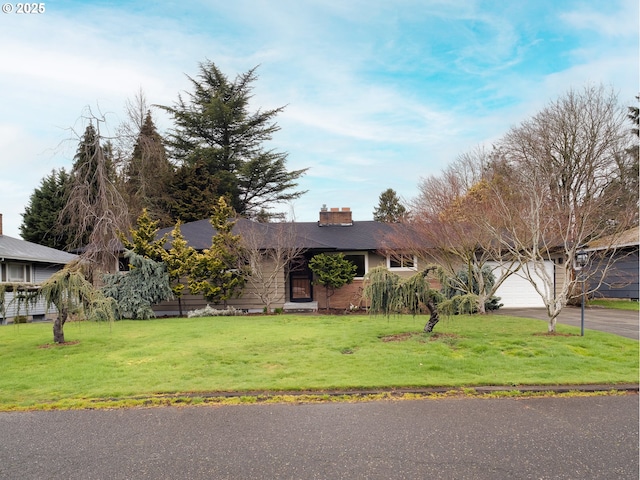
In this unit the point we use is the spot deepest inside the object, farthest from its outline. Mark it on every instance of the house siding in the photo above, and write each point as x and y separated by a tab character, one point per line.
249	300
40	272
344	298
621	280
560	274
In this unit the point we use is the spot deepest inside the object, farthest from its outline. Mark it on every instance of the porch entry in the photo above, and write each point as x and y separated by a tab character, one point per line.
301	288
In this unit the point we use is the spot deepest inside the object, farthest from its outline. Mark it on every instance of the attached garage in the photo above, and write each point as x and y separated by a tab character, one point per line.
517	291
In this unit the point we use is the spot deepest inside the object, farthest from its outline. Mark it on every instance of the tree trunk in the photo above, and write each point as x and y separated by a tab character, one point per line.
482	309
433	318
327	297
58	326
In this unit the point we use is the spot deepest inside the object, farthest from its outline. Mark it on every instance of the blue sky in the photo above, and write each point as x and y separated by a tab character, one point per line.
378	93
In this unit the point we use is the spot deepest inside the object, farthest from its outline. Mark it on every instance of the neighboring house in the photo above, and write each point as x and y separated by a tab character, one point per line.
621	260
26	263
335	232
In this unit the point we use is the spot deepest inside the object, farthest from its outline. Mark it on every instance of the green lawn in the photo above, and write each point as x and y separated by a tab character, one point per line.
616	304
299	352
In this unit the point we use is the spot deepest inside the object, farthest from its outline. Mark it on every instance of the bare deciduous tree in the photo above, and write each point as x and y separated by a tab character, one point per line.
95	211
561	167
271	250
445	229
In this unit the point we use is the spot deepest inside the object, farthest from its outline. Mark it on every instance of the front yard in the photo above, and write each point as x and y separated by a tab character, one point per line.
297	352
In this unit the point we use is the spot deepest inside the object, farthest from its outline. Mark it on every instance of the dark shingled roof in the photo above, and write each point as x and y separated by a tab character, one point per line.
364	235
360	235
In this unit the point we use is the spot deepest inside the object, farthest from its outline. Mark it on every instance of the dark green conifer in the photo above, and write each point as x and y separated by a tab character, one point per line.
40	218
215	128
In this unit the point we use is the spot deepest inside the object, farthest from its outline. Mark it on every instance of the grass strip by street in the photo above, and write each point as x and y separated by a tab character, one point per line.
298	398
630	305
182	361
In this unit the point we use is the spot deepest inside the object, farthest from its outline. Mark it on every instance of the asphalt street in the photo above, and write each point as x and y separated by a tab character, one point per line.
454	438
620	322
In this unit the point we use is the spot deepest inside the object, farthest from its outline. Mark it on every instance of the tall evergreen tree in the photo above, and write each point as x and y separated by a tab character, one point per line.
193	192
40	218
389	209
214	127
148	174
626	177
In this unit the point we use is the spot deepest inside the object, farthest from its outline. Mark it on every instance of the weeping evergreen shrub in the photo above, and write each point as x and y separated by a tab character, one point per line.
380	289
69	291
388	293
146	284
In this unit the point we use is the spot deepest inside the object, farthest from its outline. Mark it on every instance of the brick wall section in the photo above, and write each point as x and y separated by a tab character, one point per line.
351	294
342	298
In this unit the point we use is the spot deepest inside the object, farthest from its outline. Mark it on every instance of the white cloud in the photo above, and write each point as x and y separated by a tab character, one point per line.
378	93
619	20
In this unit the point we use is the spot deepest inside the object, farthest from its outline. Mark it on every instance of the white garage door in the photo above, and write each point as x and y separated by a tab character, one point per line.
517	292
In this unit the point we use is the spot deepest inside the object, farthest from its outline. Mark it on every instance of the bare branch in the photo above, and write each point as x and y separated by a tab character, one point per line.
95	212
271	250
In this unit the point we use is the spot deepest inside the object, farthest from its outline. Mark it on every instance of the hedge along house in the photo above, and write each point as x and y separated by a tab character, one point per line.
361	242
28	265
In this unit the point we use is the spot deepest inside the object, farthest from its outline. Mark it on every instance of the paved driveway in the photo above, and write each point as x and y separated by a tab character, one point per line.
619	322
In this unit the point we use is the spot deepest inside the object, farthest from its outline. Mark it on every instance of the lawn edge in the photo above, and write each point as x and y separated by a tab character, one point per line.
187	399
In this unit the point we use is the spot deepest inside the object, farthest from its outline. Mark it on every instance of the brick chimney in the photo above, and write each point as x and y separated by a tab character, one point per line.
0	224
335	216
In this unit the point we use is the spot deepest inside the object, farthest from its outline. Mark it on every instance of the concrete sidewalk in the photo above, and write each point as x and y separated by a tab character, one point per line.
619	322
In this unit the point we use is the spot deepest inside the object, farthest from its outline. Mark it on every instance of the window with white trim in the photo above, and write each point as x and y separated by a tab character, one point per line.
402	262
15	273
